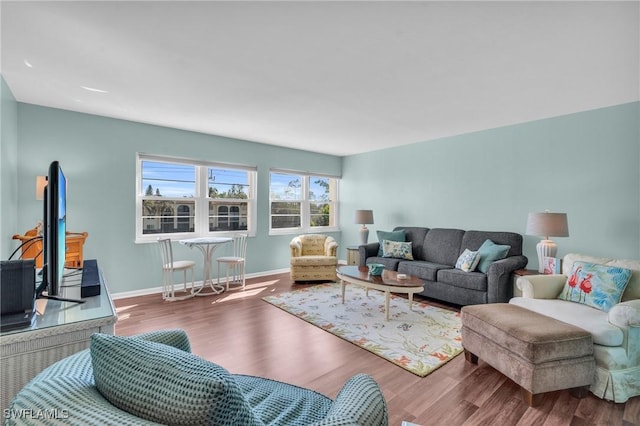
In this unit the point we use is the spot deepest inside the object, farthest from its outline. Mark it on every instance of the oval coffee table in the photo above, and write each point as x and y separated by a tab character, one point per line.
388	282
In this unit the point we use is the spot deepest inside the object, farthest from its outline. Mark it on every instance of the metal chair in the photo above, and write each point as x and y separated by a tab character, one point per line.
169	266
236	261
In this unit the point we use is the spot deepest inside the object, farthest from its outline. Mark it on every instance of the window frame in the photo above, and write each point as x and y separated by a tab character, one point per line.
201	198
305	208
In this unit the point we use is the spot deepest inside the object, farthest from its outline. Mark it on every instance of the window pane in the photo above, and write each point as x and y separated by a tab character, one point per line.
285	187
168	179
285	214
167	216
319	188
320	214
228	216
227	183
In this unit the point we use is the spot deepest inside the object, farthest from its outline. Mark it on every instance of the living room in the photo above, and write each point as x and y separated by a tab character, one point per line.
484	168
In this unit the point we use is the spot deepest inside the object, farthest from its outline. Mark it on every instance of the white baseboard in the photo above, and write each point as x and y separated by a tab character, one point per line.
156	290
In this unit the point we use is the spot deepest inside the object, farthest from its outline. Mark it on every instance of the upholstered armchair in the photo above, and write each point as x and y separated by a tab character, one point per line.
313	258
616	333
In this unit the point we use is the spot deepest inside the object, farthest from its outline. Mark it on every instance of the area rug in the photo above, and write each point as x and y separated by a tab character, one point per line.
419	340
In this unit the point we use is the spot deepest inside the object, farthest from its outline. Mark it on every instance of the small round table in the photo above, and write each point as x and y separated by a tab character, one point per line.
207	245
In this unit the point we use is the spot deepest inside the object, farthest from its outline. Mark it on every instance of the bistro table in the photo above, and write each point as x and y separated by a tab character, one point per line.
207	245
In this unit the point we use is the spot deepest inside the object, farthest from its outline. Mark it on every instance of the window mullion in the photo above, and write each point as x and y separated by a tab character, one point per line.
202	201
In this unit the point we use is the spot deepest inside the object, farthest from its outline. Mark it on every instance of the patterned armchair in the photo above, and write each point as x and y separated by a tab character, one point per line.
313	258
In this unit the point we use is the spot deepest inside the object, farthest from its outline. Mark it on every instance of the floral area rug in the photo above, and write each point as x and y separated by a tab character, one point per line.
419	340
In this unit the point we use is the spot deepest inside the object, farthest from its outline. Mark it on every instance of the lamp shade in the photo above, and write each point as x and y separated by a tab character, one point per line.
546	224
364	217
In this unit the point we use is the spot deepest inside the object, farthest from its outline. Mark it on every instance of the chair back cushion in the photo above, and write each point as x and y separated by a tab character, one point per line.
167	385
313	244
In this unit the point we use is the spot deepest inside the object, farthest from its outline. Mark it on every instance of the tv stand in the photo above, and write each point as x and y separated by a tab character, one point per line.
59	329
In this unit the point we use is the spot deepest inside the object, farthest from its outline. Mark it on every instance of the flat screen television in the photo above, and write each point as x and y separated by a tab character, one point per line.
54	230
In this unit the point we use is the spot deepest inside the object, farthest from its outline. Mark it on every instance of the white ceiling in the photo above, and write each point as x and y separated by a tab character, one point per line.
334	77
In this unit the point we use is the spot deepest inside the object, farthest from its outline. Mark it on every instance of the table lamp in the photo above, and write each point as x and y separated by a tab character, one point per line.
547	224
364	217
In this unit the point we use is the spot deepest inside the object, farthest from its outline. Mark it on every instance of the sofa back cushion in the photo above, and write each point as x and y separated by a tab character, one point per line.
472	240
633	286
313	244
414	234
442	246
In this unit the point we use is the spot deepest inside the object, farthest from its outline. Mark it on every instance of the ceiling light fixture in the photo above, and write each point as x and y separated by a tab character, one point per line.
92	89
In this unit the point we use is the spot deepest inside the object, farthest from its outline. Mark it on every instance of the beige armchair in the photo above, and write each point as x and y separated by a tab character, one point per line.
313	258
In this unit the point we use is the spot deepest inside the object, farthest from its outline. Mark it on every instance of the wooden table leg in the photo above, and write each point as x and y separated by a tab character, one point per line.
343	288
387	297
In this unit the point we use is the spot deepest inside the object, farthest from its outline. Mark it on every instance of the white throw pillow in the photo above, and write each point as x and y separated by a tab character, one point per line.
468	260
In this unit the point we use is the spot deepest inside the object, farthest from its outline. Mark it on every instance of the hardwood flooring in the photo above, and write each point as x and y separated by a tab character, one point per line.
249	336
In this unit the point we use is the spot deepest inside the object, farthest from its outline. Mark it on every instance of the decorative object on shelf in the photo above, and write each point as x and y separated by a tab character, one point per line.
547	224
364	217
551	265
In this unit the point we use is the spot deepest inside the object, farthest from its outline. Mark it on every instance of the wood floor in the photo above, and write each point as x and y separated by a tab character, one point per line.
249	336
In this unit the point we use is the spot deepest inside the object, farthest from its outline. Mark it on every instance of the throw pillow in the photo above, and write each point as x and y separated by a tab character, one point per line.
489	252
468	260
160	383
598	286
398	250
391	236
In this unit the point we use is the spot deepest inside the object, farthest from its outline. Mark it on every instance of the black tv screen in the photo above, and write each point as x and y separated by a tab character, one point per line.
55	229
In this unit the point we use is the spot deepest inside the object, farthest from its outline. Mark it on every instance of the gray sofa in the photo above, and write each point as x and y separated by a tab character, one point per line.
435	252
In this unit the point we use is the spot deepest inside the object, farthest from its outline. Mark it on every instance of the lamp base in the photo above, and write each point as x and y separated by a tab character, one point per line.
364	236
545	248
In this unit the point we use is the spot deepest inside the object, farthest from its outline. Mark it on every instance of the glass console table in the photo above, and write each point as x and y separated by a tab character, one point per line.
58	329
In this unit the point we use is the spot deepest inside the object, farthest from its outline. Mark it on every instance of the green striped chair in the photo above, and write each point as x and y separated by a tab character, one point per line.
154	379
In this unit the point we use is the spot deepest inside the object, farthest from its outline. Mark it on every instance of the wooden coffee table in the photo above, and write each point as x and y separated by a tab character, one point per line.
388	282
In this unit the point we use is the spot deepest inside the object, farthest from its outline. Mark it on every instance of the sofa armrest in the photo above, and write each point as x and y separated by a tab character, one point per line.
369	250
541	286
499	283
626	314
359	402
296	247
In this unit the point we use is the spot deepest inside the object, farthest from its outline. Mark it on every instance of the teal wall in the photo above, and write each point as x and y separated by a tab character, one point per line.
8	169
585	164
98	156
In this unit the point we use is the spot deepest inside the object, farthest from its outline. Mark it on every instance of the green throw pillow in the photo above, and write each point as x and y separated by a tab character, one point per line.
598	286
390	236
489	252
160	383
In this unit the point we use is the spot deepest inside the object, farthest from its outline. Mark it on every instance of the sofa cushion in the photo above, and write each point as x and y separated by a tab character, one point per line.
489	252
164	384
474	239
598	286
396	235
397	249
389	263
314	260
457	278
416	235
468	260
421	269
590	319
442	246
633	287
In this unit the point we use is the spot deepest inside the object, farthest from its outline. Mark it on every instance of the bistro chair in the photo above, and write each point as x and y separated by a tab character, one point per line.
169	267
236	262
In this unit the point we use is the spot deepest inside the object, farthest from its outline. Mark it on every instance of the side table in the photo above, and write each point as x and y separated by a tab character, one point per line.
522	273
353	256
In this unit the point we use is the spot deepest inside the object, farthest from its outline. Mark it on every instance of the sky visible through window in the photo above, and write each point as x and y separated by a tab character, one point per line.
179	180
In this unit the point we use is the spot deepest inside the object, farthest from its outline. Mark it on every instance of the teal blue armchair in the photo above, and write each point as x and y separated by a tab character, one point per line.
154	379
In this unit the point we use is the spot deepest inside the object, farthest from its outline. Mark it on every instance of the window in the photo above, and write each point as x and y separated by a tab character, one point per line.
187	198
301	202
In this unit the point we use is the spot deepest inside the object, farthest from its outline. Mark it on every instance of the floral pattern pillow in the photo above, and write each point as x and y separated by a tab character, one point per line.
397	249
468	260
598	286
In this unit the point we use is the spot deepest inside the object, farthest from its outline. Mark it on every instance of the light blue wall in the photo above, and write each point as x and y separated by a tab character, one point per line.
585	164
8	169
98	156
